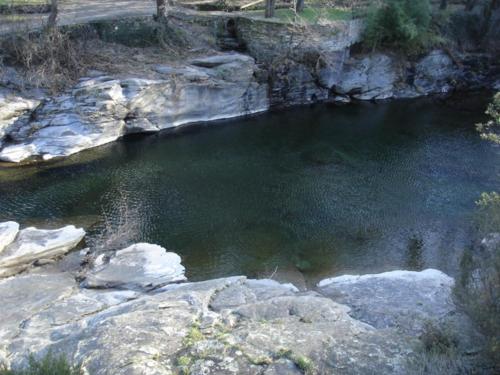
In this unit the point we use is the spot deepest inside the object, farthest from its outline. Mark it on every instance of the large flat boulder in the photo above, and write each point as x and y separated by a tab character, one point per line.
33	244
403	299
141	266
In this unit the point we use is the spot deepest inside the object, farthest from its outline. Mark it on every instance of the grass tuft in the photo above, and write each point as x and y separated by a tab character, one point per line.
48	365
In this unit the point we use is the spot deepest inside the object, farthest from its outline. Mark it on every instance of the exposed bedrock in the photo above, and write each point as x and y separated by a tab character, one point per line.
280	65
321	63
20	249
101	109
134	314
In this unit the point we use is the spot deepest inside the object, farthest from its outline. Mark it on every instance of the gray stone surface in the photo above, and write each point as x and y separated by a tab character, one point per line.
435	73
141	266
33	244
8	232
12	107
372	77
224	326
403	299
101	109
407	301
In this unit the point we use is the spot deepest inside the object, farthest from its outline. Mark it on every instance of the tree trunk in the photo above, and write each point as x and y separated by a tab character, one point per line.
443	5
52	21
299	6
270	8
161	8
469	5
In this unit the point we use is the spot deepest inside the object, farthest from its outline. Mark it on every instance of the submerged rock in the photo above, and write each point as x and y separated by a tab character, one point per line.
101	109
33	244
141	266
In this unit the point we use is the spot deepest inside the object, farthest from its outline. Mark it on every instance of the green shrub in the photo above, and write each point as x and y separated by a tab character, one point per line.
400	24
479	283
48	365
479	291
478	287
490	129
488	213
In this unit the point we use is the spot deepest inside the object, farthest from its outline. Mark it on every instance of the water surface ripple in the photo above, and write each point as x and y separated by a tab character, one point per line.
308	193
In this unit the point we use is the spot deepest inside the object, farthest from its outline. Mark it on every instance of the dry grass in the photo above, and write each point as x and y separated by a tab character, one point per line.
437	354
56	58
51	59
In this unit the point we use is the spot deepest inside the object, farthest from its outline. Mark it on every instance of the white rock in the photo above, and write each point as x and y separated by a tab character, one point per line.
428	274
8	232
402	299
11	108
32	244
101	109
140	266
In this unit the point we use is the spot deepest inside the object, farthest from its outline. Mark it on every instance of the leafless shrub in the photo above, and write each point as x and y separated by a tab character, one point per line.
432	363
437	353
121	226
49	59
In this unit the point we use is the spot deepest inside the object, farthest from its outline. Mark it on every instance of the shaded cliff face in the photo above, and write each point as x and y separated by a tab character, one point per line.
317	63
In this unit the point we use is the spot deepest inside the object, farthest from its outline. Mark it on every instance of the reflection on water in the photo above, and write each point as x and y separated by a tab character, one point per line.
304	194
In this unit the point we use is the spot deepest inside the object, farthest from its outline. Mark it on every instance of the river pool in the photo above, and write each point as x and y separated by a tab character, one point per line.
298	195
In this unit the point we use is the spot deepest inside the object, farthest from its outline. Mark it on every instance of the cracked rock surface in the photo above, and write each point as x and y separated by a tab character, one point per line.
143	319
101	109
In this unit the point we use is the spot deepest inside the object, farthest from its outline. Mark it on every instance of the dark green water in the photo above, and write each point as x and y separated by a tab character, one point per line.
311	192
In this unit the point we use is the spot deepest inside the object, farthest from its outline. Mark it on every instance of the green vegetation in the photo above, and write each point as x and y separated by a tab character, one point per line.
184	362
48	365
488	213
400	24
309	16
488	217
479	291
479	283
194	335
302	362
313	15
490	129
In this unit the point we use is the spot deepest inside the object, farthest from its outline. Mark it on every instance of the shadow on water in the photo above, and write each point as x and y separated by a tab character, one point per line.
299	195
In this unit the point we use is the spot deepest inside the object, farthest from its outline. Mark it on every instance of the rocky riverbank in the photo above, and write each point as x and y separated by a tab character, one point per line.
132	311
278	65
